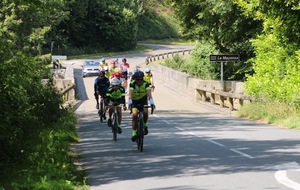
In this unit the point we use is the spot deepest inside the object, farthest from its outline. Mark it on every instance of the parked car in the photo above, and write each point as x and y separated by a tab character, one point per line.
90	67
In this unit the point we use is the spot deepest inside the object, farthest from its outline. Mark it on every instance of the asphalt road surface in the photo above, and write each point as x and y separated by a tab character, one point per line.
190	146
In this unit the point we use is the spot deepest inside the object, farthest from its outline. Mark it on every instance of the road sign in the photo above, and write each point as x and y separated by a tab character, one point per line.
59	57
224	58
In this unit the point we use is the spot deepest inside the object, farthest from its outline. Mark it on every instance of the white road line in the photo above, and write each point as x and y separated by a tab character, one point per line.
241	153
179	128
212	141
282	178
216	143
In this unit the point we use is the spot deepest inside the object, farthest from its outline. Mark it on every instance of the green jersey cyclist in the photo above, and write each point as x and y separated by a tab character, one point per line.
115	94
139	94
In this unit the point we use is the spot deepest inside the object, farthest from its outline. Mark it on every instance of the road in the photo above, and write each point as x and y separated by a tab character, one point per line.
190	146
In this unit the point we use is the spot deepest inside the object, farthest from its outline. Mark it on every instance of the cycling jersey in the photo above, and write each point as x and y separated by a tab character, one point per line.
102	65
147	78
101	85
116	95
139	92
114	69
124	67
107	74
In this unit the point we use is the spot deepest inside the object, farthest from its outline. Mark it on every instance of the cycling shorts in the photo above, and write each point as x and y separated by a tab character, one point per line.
125	75
141	102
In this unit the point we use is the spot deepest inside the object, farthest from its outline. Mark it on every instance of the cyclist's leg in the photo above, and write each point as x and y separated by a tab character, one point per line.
119	116
109	121
103	94
134	119
145	116
119	119
96	94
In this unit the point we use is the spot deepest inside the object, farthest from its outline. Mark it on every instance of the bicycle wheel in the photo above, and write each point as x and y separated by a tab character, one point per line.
101	111
140	133
115	126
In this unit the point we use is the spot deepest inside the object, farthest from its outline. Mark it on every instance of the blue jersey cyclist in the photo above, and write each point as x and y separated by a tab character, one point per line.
115	96
139	94
101	86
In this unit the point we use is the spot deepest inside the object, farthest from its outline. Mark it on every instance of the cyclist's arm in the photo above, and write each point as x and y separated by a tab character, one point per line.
149	94
151	81
95	85
122	99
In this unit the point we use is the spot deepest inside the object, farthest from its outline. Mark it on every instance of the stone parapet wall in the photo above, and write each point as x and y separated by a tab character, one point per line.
186	83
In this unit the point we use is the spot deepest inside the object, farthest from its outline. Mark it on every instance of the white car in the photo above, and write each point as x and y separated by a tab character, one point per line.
90	67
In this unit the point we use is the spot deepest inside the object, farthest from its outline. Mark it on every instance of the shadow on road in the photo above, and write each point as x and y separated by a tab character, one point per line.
179	146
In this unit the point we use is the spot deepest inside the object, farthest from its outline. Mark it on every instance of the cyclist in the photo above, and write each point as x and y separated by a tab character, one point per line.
139	93
149	78
115	94
101	86
119	76
107	72
113	68
117	61
124	67
137	68
102	64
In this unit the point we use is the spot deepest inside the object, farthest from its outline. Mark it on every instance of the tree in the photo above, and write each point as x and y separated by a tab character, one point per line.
277	50
222	23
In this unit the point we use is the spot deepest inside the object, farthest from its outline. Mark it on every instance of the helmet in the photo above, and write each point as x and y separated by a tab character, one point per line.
115	81
138	74
101	73
124	60
113	62
103	59
116	59
147	70
105	68
117	74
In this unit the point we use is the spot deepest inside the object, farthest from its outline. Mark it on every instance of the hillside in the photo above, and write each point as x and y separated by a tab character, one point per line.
157	21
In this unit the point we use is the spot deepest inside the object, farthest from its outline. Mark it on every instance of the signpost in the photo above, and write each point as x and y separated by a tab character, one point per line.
222	58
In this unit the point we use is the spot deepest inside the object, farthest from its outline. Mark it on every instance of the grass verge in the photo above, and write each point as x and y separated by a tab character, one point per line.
272	112
50	162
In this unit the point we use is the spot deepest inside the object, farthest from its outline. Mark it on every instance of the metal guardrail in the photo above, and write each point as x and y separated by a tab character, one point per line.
166	55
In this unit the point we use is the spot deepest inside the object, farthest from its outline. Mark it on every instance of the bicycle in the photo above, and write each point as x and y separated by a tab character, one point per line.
115	118
140	127
101	111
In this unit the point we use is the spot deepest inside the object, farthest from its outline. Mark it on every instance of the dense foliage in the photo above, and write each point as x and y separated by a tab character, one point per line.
30	111
277	50
113	25
264	32
221	24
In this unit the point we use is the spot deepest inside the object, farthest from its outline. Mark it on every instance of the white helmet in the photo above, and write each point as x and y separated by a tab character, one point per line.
105	68
147	70
115	81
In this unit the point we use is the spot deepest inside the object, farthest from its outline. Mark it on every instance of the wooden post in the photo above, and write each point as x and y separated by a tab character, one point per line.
222	98
230	104
213	98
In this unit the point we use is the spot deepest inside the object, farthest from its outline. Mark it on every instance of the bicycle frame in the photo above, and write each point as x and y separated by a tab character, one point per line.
140	127
115	118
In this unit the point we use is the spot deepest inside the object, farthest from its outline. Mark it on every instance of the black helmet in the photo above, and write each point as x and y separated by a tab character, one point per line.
101	73
124	60
138	74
